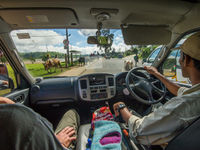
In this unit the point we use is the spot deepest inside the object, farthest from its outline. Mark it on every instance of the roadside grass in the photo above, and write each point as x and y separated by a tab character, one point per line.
37	70
11	74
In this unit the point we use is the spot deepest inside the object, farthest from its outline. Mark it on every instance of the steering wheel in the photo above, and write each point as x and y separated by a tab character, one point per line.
144	85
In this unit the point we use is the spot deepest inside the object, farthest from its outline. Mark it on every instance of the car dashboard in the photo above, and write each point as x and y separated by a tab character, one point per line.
90	87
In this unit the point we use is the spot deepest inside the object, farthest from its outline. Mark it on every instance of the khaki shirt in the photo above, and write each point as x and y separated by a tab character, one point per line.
162	125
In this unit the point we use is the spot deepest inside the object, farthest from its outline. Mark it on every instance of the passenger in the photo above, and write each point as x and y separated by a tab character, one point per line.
24	129
163	124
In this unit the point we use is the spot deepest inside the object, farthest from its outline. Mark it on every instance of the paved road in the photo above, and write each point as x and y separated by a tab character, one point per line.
98	65
102	65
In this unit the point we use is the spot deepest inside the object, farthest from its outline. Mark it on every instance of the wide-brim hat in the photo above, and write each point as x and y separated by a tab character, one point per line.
191	46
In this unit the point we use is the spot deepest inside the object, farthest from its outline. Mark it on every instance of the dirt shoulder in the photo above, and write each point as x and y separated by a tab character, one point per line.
75	71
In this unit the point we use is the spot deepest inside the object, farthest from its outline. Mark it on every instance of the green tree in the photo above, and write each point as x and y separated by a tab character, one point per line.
3	59
135	51
145	51
128	52
40	55
32	60
46	57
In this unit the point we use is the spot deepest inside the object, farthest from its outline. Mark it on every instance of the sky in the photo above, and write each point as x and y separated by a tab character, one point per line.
43	40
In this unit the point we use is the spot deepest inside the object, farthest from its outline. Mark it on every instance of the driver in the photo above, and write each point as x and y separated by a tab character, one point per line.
164	123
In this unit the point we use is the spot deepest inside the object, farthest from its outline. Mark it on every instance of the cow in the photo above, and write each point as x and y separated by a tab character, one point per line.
81	61
128	65
52	63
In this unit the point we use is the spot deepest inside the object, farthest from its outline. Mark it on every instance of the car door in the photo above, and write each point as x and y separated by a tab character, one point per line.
171	67
12	84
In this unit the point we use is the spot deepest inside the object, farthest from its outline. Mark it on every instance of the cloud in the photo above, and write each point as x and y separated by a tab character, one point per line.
79	43
41	40
86	49
118	40
118	43
120	47
47	40
87	32
50	40
80	33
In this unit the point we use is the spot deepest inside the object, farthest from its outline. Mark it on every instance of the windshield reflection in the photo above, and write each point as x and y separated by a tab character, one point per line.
61	52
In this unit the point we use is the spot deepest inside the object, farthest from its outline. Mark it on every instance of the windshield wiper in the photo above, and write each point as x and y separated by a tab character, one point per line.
57	77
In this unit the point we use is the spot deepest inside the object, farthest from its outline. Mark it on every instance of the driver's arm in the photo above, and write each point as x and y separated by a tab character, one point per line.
124	112
157	128
172	87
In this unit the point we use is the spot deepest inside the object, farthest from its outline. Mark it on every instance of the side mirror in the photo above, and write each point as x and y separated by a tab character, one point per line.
11	84
169	67
5	81
144	60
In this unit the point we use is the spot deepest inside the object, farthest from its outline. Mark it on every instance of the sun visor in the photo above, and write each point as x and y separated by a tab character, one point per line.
39	18
146	35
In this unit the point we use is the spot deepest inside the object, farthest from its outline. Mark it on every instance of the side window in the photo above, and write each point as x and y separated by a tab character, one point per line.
7	76
171	67
154	55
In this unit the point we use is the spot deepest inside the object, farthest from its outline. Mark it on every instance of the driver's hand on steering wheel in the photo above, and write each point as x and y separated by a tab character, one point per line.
152	70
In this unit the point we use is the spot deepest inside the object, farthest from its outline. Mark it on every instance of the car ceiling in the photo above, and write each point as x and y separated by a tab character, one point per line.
177	15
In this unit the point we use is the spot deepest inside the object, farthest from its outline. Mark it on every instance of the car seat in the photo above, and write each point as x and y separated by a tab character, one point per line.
188	139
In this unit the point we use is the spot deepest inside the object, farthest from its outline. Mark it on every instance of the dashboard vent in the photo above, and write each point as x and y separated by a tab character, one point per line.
110	81
83	84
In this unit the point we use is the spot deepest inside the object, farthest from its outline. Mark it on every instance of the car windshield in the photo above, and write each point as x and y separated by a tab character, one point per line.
47	52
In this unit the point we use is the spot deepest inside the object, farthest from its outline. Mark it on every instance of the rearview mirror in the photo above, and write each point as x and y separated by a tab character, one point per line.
99	40
92	40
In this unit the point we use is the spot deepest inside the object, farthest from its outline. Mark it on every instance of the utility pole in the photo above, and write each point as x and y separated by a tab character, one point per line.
67	38
47	48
